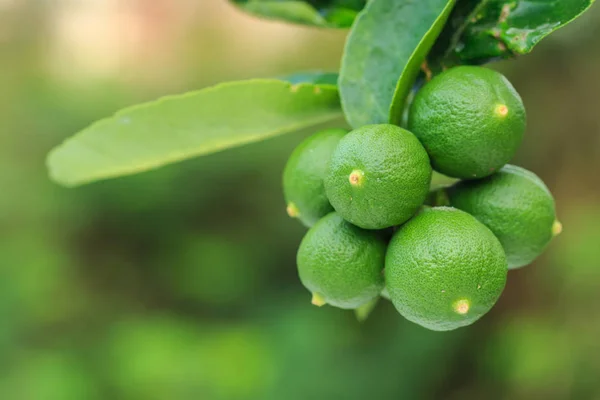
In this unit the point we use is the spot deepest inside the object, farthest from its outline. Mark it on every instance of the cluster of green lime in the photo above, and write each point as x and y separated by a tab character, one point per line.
363	195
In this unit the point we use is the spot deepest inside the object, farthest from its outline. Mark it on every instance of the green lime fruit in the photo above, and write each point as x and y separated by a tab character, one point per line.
516	206
341	264
378	176
303	176
471	121
444	269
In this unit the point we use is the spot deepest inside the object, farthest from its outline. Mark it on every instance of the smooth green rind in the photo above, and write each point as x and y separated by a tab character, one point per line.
440	259
380	45
501	29
456	118
413	66
304	173
517	207
320	13
395	175
176	128
341	263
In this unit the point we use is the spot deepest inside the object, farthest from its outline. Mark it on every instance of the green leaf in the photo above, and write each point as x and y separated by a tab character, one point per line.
389	38
363	312
492	29
179	127
318	77
322	13
413	66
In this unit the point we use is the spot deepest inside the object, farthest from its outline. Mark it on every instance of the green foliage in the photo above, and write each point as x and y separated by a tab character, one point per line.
491	29
316	77
321	13
414	63
175	128
389	41
385	52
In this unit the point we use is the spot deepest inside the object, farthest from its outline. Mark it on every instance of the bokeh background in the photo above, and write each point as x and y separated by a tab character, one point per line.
181	283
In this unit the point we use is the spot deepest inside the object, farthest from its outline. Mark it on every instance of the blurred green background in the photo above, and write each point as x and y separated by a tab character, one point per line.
181	283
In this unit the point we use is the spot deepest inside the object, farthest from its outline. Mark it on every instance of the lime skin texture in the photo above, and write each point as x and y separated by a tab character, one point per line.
341	264
444	269
471	121
378	176
517	207
303	176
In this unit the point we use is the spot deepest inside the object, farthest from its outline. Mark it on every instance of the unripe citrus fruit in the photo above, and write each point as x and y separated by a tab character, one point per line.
378	176
444	269
517	207
303	176
341	264
470	119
